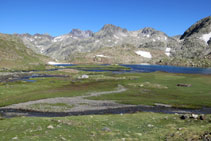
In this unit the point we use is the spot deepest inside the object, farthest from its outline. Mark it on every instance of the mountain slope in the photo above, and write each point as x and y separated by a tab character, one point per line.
66	46
15	55
197	38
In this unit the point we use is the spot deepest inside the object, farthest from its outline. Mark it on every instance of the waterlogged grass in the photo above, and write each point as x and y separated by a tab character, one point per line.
158	87
17	92
139	126
142	88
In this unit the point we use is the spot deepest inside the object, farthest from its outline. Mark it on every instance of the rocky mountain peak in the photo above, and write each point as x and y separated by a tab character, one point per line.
203	26
112	28
81	34
108	30
148	30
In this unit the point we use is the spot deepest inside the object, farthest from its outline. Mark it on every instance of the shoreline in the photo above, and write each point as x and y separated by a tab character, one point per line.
12	112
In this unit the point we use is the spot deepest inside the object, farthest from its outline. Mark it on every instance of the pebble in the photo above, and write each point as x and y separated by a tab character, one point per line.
123	139
106	129
202	117
179	129
50	127
183	117
150	125
15	138
194	116
63	139
166	118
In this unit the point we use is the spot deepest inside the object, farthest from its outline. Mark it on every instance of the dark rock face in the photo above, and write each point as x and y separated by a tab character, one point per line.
200	27
196	43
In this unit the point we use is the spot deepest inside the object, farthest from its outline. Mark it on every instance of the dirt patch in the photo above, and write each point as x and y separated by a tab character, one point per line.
69	70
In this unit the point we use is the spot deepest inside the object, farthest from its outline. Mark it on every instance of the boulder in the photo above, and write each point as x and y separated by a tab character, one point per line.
183	85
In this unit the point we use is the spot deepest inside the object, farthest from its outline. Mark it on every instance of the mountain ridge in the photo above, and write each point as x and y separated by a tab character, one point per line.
193	44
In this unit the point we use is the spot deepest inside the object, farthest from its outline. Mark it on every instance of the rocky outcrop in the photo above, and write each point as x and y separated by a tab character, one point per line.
196	40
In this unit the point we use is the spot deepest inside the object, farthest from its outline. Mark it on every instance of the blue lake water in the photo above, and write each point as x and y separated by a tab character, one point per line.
154	68
170	69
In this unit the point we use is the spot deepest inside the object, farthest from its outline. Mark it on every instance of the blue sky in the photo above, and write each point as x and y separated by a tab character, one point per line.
57	17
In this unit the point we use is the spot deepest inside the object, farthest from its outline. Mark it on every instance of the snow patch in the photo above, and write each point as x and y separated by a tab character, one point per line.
116	37
146	64
59	38
56	63
165	38
168	51
145	54
42	50
206	37
153	40
101	55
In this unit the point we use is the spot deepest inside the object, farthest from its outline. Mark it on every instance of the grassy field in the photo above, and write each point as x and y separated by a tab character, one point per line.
16	92
159	87
142	88
128	127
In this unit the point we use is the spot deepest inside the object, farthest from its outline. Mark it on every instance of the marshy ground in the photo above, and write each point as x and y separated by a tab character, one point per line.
104	90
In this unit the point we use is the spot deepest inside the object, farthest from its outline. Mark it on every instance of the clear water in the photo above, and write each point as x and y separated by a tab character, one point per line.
170	69
154	68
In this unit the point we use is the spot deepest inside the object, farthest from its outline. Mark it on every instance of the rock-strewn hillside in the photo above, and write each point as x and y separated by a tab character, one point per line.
195	49
15	55
197	38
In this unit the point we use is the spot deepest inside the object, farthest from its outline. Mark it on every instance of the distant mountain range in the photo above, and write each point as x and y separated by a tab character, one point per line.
113	44
65	46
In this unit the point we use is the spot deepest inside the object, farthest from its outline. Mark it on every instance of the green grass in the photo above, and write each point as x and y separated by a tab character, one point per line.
142	88
158	87
139	126
17	92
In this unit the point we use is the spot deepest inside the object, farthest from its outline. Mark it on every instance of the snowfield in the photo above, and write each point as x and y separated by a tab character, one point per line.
144	54
103	56
56	63
168	51
206	37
